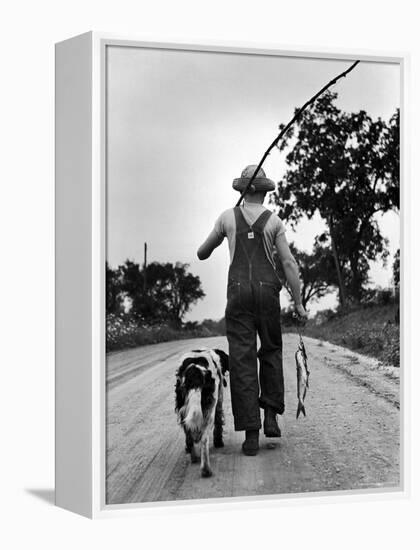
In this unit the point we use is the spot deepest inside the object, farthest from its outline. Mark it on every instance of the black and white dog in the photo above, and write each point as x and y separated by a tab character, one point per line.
199	401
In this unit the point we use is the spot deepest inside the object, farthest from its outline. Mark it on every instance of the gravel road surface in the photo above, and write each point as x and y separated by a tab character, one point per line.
349	439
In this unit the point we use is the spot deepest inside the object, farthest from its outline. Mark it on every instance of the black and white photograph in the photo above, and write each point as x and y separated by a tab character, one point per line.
252	275
210	297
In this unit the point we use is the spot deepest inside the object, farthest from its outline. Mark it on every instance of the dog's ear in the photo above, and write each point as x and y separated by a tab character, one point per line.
224	360
180	391
180	394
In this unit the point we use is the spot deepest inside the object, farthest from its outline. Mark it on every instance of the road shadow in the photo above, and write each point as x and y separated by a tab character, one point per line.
47	495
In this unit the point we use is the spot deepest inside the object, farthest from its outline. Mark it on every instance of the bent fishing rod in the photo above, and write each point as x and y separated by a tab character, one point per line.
289	124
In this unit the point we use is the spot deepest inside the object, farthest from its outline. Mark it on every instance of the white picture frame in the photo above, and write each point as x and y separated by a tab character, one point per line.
80	261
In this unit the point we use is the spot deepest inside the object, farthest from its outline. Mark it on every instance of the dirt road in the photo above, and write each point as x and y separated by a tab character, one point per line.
349	439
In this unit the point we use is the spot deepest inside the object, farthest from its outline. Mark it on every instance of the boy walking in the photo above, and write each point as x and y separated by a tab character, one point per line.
253	307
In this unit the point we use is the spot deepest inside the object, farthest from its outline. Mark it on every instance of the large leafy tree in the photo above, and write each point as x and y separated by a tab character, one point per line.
163	292
133	284
183	290
344	166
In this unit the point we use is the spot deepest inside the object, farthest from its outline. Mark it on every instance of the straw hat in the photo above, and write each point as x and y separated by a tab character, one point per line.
260	183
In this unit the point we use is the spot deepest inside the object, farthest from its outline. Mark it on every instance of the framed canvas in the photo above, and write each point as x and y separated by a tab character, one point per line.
165	293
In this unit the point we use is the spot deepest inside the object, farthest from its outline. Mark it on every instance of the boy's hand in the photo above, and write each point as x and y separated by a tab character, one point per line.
301	312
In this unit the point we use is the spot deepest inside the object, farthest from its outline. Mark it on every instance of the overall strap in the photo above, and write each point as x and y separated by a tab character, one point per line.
261	222
243	226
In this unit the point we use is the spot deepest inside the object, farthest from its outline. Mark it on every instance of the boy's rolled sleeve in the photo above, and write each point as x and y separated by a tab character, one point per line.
219	226
280	230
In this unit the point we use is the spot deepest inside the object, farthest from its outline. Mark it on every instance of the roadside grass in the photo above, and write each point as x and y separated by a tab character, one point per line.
122	332
369	330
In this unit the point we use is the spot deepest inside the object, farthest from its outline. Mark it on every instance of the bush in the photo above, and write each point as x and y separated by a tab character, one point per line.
125	331
378	296
287	318
372	332
384	296
215	327
324	316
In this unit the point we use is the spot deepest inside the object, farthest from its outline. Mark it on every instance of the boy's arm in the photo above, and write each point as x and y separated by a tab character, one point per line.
291	271
212	242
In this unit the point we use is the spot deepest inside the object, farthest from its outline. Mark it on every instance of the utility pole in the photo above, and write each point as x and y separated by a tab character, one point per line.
144	269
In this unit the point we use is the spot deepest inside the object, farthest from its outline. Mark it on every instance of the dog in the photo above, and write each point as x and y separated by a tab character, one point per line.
200	379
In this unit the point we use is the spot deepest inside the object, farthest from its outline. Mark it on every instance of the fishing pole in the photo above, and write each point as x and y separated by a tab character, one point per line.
289	124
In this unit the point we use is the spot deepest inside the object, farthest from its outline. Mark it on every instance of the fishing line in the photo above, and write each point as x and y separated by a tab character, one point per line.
297	318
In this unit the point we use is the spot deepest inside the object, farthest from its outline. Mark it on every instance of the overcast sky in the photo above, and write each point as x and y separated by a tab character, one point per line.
182	125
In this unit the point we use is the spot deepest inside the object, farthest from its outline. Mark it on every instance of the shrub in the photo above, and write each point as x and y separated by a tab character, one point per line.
378	296
384	296
287	318
372	332
126	331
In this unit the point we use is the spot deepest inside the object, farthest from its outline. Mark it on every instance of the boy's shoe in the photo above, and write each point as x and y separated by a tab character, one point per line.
271	428
250	446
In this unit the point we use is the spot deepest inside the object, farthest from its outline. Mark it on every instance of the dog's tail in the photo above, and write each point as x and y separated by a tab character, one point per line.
193	415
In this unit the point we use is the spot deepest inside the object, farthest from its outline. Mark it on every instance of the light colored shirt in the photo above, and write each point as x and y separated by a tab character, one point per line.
226	226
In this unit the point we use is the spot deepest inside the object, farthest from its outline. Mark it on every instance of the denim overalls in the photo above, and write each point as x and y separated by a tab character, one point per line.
253	307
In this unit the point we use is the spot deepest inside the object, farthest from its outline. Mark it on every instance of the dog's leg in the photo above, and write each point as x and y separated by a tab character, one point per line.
195	453
205	456
188	442
205	439
218	425
219	420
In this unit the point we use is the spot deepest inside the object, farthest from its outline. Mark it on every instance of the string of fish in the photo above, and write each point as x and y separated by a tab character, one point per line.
302	374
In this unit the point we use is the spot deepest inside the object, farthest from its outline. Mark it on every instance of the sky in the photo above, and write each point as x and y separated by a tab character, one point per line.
182	125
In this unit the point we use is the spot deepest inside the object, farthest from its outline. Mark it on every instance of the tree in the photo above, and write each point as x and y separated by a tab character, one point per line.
317	272
114	297
169	292
182	290
143	306
396	269
396	277
345	166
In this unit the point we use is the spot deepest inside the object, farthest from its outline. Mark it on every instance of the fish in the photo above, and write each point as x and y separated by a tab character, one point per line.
302	373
